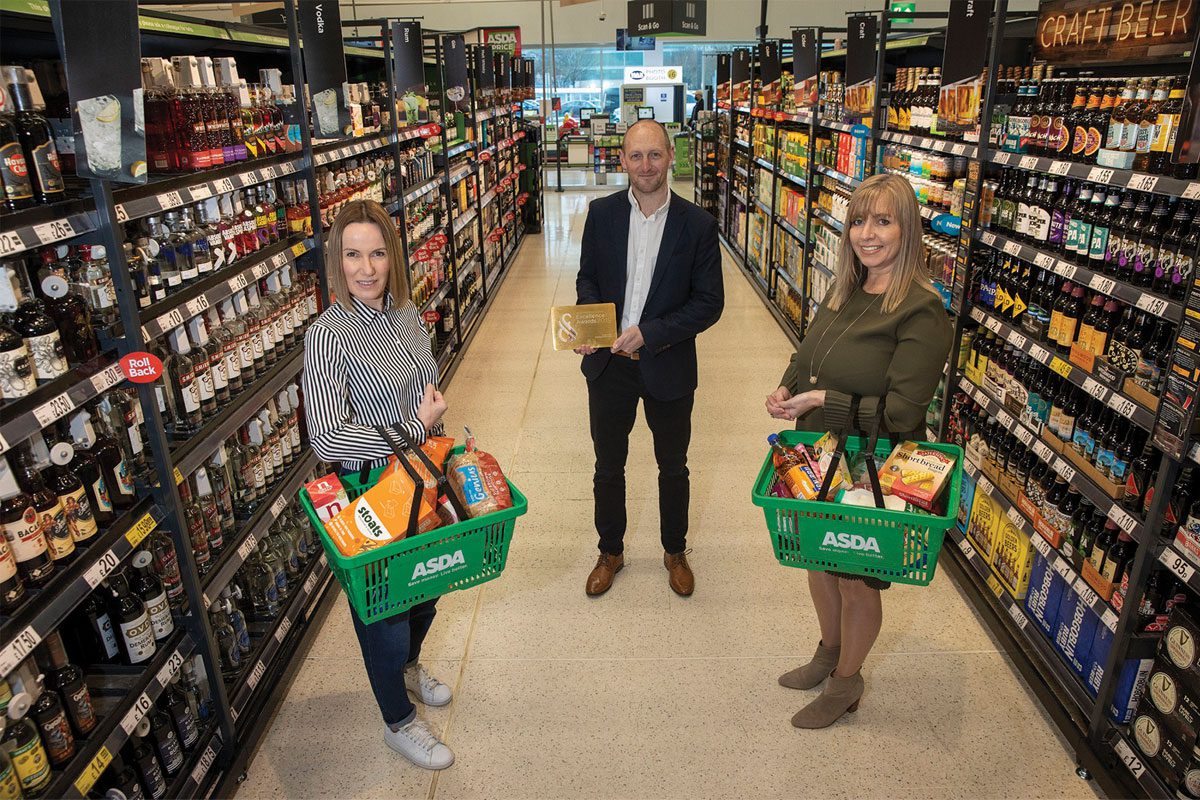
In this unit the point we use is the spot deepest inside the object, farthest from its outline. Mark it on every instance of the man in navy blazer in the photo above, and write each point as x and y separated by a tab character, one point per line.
656	256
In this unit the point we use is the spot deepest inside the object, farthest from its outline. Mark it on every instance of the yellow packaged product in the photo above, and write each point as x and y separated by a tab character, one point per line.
917	473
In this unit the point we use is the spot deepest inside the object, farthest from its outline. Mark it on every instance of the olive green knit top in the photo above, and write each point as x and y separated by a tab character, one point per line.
897	356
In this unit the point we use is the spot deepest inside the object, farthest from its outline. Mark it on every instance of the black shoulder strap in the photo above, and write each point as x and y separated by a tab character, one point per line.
439	477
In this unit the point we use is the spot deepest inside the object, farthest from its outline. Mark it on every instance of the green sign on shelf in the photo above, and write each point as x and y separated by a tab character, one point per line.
901	6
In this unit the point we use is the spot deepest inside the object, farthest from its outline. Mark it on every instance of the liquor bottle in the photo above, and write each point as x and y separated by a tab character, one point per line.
113	464
252	242
1172	238
228	652
192	118
220	142
198	235
61	479
1166	128
1106	450
1071	315
73	319
1123	455
234	327
1023	207
237	620
166	567
1115	134
24	746
197	531
215	527
146	585
183	716
16	368
1145	262
1104	541
10	785
163	260
1079	229
276	563
257	319
133	623
178	250
208	360
92	632
149	767
1147	125
24	534
285	548
37	141
30	322
166	741
184	390
51	516
67	680
14	171
1149	375
51	719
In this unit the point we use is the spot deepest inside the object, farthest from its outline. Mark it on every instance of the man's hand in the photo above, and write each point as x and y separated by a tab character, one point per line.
432	407
775	402
585	350
630	340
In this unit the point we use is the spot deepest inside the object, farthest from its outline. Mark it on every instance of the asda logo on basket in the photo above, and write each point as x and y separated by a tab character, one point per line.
851	541
437	564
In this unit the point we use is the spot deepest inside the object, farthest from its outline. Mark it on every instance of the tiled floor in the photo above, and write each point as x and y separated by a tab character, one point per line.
642	694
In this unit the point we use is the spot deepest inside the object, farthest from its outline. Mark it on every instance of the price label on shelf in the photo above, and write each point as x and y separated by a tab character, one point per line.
1012	248
1018	616
10	243
1042	546
966	547
1062	567
1024	436
141	707
1122	519
101	569
53	231
197	305
1043	452
1017	340
223	186
1064	469
1095	389
1122	405
1002	157
1044	260
200	192
970	468
260	271
256	675
1129	758
1102	284
1109	619
1039	352
1142	183
53	409
284	626
1005	418
122	214
994	325
141	530
169	321
1192	191
247	547
237	283
1028	162
1100	175
169	669
1177	564
988	238
959	149
169	199
19	649
985	484
1015	517
106	379
1061	367
1060	167
1066	270
270	173
206	761
1152	305
92	772
1085	592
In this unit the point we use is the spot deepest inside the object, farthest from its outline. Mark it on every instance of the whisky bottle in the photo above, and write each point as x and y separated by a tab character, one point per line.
193	517
68	680
214	526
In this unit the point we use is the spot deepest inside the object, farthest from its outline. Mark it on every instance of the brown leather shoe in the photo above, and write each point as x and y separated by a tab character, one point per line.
680	577
601	578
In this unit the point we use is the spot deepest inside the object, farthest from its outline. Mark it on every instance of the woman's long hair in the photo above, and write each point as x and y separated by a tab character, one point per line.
372	212
894	195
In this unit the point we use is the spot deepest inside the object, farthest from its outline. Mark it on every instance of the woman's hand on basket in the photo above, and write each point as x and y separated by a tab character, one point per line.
798	406
775	402
432	407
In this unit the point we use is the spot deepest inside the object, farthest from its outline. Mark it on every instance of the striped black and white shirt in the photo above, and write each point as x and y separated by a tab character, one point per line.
362	368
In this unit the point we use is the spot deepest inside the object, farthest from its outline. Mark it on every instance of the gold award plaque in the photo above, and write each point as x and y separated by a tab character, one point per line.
584	326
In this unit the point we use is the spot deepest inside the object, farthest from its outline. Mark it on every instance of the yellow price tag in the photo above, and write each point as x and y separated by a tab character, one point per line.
1060	366
141	530
299	249
178	476
92	772
994	584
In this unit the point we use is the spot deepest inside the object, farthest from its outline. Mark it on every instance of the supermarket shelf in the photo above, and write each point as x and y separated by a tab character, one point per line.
741	143
487	198
198	447
1180	566
1146	301
1146	778
739	198
167	315
178	190
827	219
424	189
820	266
789	329
1122	404
762	162
268	645
45	610
741	171
796	234
322	156
460	173
928	143
463	220
789	280
840	177
1054	666
763	207
459	149
1058	562
836	126
253	529
796	179
54	400
803	119
45	225
932	214
115	728
190	782
429	236
742	109
1059	464
436	297
1120	178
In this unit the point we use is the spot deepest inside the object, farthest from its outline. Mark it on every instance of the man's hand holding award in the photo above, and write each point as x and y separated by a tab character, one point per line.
588	328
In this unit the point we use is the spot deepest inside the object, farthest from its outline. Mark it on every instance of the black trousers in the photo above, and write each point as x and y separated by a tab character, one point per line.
612	402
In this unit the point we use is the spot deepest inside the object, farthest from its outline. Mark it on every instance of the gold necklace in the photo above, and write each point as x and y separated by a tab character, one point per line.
813	373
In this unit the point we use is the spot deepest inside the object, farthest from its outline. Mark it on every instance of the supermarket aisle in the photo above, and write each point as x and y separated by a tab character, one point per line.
642	694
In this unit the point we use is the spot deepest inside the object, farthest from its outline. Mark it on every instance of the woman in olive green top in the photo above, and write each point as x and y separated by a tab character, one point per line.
881	333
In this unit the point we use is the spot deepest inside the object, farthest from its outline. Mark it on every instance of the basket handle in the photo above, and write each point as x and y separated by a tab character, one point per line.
840	451
418	481
872	440
443	484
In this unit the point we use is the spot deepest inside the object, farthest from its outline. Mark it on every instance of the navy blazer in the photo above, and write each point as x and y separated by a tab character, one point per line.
687	292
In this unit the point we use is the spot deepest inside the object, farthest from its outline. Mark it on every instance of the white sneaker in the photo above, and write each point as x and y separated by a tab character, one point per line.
429	689
416	742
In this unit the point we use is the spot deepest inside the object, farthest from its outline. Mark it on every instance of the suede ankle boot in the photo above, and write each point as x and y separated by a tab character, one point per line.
840	696
809	676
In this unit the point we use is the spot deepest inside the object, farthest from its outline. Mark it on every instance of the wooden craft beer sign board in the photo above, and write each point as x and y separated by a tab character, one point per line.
1090	32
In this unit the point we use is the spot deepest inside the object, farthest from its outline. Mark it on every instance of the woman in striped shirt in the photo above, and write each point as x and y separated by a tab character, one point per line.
368	362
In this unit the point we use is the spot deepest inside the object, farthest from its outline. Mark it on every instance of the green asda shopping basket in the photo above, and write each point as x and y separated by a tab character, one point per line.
896	546
392	579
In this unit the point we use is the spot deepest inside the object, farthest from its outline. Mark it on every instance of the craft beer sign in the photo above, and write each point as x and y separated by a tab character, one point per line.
1090	32
667	17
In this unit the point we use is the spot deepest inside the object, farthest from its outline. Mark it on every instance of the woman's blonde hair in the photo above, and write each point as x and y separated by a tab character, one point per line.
373	213
894	195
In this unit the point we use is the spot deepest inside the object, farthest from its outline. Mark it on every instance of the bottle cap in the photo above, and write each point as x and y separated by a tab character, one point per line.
179	341
255	429
142	558
54	287
62	453
143	727
199	330
203	484
294	396
99	253
19	705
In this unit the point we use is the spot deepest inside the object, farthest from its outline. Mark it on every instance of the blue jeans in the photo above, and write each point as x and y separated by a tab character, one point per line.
387	647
